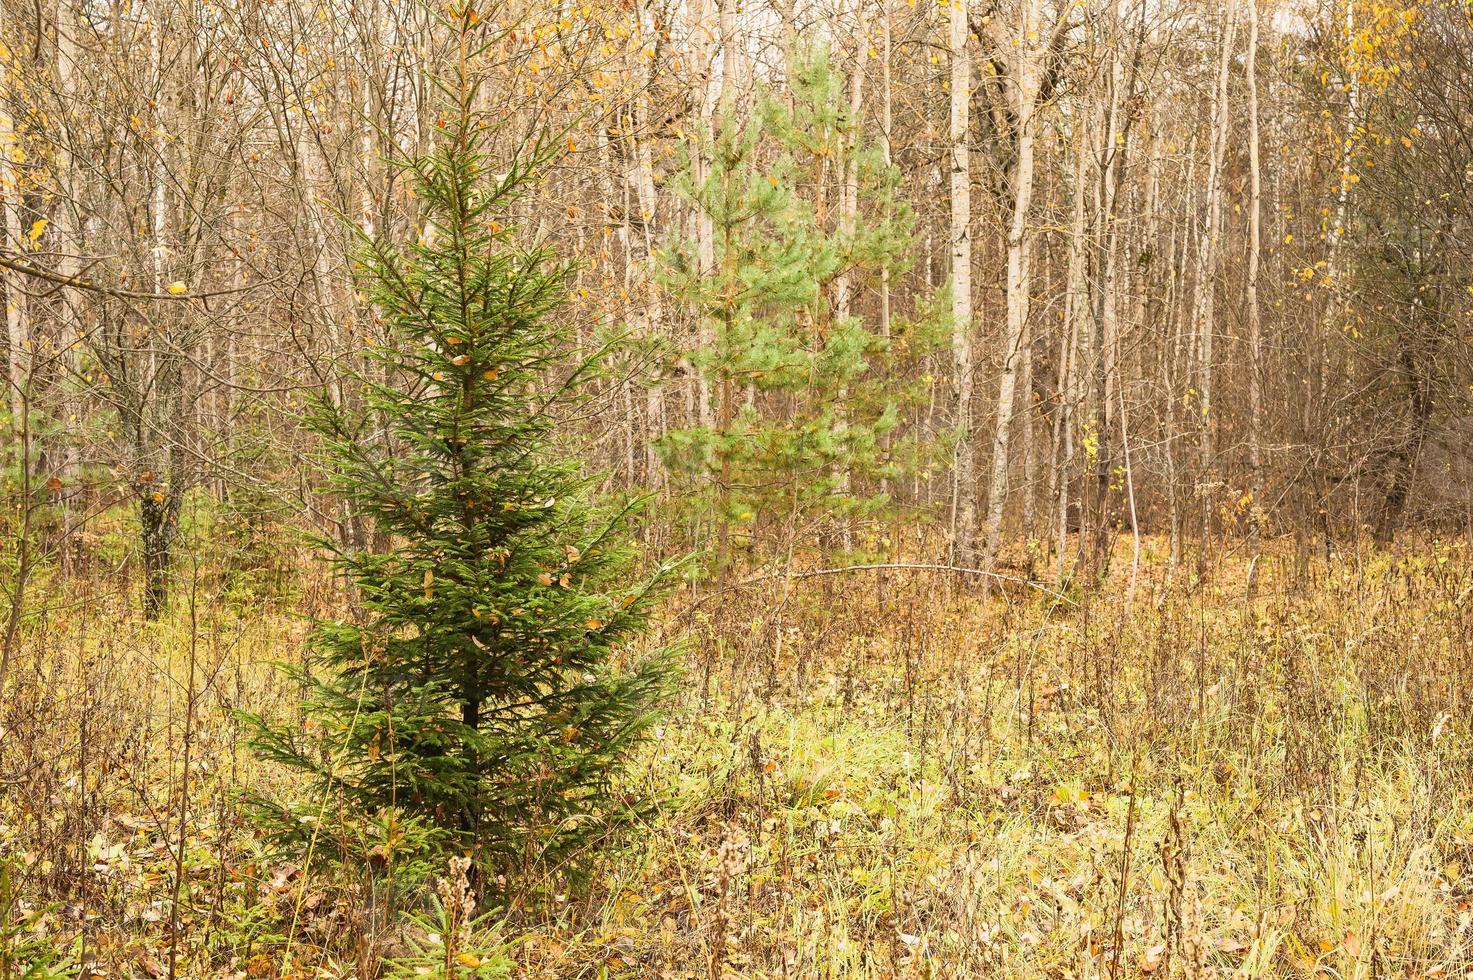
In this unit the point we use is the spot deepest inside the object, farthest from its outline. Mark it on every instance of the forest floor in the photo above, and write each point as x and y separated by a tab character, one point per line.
878	774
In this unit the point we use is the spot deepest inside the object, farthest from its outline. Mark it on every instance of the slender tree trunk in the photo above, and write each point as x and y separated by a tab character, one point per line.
849	193
887	121
649	294
1026	450
1019	279
1076	319
1335	234
964	513
697	11
20	573
1255	328
1403	462
848	212
731	55
1180	359
615	206
1113	145
157	512
13	236
70	311
1207	260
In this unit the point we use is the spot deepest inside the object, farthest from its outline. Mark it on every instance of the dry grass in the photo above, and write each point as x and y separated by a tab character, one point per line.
870	776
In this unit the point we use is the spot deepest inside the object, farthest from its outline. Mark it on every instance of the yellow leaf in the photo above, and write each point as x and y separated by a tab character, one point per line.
470	960
38	229
177	288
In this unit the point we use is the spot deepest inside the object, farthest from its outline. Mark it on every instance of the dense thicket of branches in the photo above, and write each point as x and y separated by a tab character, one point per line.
1212	257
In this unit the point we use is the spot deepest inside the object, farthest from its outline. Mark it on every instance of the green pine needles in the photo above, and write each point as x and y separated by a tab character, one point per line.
803	396
478	688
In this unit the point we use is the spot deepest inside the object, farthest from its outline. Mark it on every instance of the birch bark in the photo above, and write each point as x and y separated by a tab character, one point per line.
963	490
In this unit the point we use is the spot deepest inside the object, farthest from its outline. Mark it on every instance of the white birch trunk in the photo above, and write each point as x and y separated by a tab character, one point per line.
964	513
12	237
700	45
1255	327
1207	259
642	176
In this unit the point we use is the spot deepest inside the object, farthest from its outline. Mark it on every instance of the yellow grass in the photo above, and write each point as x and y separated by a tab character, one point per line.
884	775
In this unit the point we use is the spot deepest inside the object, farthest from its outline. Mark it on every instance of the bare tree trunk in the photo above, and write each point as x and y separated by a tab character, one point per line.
1076	317
887	96
1019	279
13	236
731	55
964	512
849	193
1027	449
617	207
1207	258
650	297
1112	145
70	325
1180	357
1402	462
887	122
158	506
1255	328
697	11
20	573
1335	234
848	212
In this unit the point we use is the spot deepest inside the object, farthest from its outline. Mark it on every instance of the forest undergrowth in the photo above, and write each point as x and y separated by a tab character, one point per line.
880	773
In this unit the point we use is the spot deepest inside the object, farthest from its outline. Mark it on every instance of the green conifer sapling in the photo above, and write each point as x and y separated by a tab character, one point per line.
478	687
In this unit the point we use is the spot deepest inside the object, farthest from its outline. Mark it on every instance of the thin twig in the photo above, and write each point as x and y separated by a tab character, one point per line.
76	282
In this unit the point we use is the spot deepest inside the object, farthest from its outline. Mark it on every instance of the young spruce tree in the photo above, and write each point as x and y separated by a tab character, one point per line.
477	689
